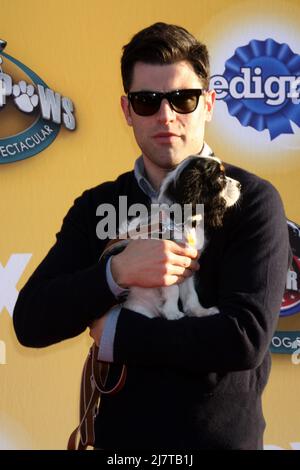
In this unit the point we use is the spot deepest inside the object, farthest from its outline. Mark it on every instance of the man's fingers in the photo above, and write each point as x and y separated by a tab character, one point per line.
178	271
183	250
177	276
184	262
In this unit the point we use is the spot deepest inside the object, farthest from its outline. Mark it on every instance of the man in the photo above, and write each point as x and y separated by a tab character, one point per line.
193	383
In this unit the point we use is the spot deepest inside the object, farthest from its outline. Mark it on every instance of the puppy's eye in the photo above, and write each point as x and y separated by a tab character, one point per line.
222	180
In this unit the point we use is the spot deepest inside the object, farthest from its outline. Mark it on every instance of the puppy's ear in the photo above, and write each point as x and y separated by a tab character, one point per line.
212	186
191	184
214	215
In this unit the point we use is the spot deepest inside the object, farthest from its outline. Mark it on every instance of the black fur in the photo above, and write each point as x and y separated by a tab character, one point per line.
200	182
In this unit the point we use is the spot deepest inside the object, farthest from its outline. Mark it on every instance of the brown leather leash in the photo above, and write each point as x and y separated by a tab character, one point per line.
93	382
94	376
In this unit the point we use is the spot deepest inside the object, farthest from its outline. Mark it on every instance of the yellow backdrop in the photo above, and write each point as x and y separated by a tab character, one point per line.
76	47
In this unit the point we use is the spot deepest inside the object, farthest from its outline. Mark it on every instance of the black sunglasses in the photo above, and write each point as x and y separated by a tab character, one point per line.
147	103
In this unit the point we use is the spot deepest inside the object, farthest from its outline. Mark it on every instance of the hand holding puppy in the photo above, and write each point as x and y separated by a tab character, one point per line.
153	263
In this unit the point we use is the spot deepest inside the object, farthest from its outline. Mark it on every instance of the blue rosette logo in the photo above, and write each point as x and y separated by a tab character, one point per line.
261	86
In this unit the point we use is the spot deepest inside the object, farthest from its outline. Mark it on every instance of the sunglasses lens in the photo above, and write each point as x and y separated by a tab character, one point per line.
145	104
148	103
185	101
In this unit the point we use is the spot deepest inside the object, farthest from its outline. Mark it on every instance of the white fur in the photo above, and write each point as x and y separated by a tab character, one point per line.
163	301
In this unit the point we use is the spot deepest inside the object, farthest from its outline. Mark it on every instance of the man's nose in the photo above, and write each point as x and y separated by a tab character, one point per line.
165	112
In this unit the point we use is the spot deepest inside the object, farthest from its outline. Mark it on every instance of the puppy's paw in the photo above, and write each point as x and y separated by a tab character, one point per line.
199	311
172	314
212	311
193	309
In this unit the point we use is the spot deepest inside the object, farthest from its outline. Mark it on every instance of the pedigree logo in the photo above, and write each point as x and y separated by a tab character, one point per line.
50	108
261	86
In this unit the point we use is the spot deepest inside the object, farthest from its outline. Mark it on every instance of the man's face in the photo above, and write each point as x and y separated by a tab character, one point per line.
165	152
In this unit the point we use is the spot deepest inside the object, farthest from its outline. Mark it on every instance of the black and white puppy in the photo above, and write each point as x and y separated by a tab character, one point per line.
196	180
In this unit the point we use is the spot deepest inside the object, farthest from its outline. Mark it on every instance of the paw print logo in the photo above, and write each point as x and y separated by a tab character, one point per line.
25	98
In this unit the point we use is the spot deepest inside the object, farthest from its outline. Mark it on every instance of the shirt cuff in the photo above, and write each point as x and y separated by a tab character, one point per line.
114	287
106	348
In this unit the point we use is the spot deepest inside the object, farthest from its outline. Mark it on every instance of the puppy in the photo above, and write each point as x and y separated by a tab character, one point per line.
196	180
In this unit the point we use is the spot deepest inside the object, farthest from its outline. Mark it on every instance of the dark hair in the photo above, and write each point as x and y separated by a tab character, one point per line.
163	43
201	181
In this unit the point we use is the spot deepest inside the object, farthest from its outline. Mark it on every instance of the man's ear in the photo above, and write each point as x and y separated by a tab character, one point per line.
126	109
210	97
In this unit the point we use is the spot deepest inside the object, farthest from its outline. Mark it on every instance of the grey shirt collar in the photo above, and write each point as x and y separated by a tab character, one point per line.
144	183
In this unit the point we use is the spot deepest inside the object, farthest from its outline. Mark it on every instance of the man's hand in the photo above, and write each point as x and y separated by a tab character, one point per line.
97	327
149	263
153	263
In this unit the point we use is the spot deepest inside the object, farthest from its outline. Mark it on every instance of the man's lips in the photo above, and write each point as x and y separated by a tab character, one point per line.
165	134
165	137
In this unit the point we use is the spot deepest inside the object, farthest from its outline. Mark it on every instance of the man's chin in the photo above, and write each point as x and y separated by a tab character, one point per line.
170	162
167	159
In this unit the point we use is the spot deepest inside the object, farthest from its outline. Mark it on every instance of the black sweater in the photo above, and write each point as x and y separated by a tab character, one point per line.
193	383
